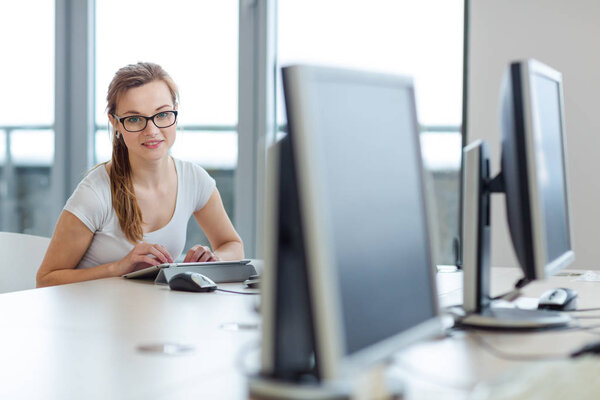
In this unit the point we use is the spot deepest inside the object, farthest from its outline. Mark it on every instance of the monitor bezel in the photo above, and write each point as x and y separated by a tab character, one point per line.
333	362
269	274
543	267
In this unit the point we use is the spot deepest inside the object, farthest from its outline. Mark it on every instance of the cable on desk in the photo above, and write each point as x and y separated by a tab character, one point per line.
233	291
515	292
514	357
583	310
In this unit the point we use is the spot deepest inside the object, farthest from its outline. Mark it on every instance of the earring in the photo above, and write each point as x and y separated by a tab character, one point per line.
118	134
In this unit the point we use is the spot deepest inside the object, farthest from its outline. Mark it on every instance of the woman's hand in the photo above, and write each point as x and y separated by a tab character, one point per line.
141	256
200	253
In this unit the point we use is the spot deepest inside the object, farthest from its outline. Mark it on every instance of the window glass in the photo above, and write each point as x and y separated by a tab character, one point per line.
27	78
27	116
196	42
423	39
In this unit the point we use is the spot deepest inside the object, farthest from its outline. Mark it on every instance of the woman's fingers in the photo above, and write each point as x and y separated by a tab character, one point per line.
163	250
206	255
199	253
153	250
191	255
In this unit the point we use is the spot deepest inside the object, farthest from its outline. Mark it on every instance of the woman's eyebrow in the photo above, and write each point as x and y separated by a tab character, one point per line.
139	113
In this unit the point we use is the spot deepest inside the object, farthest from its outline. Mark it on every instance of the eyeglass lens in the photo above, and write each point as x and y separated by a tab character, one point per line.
138	123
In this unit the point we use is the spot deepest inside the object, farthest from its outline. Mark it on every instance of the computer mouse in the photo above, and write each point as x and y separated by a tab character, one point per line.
561	299
190	281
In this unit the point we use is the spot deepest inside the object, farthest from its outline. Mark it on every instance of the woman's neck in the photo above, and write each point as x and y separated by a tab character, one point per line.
151	173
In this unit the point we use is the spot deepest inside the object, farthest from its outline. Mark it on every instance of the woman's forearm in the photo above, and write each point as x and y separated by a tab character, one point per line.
233	250
69	275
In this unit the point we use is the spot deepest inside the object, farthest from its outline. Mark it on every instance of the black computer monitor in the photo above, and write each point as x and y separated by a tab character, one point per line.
533	177
349	277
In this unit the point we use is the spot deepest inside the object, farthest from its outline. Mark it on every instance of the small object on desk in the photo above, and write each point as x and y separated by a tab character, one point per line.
590	348
589	276
560	299
253	282
189	281
171	349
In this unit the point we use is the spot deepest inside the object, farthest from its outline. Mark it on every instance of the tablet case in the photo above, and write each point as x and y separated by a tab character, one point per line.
222	273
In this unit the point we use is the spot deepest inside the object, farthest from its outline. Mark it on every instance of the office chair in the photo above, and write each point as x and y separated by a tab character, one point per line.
21	257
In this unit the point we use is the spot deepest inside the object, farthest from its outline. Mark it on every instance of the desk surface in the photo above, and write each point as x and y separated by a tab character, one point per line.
450	368
81	341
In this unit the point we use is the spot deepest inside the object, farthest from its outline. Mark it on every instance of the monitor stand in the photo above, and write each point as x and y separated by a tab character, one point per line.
372	383
503	318
261	387
477	303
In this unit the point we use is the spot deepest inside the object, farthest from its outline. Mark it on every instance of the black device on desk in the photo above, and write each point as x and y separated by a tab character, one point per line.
533	178
560	299
189	281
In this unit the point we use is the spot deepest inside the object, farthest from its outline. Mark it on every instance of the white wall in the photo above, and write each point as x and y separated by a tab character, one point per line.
565	35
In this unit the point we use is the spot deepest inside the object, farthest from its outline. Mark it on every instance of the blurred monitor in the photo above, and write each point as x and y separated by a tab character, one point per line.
349	276
533	177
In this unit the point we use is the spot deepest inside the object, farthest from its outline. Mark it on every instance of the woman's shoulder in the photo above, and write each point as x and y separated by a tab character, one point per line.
91	200
97	181
97	174
197	185
188	168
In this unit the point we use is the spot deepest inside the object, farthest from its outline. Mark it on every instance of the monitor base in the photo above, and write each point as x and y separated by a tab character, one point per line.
515	319
271	389
266	388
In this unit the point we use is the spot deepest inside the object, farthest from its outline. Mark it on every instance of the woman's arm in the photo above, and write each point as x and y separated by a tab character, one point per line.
69	243
225	241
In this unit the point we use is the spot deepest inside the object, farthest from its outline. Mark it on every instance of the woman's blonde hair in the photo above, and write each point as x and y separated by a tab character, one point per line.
121	182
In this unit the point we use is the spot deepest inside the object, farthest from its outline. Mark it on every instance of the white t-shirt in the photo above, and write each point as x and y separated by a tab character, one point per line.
91	202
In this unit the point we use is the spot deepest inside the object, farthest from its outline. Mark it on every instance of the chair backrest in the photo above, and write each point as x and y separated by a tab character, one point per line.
21	257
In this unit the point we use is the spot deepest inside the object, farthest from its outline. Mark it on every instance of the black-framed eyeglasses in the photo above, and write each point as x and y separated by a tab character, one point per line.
137	123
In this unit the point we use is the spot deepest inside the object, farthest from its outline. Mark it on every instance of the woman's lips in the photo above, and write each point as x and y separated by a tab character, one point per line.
152	144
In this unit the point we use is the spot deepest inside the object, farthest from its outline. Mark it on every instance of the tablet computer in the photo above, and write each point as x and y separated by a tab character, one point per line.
152	271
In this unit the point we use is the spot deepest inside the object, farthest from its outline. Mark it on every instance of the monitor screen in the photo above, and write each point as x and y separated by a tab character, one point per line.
356	143
550	165
367	145
534	168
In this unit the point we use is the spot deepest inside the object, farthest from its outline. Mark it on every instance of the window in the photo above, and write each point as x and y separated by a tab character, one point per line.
27	117
196	42
423	39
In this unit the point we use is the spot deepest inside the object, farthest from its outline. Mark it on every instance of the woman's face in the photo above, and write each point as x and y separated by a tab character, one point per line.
152	143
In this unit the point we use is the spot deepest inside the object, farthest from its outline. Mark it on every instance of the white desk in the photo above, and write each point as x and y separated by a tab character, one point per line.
451	367
80	342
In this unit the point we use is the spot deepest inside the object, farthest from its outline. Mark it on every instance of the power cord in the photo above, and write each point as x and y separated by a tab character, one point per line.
515	292
233	291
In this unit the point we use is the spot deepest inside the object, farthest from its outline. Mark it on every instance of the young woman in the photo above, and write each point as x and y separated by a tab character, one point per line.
133	210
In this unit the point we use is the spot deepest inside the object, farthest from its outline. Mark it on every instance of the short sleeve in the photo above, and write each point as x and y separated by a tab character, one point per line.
88	205
202	187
